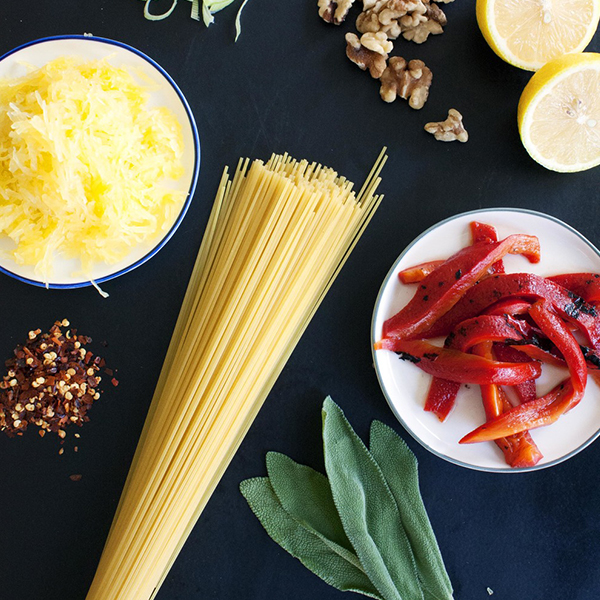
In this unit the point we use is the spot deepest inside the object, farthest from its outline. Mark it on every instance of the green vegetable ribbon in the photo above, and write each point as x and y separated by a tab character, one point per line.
209	8
363	528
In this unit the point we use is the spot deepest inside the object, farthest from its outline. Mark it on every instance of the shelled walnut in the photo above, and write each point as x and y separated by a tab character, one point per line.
410	81
432	22
413	19
334	11
449	130
369	52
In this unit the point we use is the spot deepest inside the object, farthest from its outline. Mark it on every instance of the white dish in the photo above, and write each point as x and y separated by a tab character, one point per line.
40	52
564	250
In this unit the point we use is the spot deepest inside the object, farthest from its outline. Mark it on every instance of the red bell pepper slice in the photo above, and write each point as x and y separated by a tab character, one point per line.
526	391
441	396
445	286
480	232
464	368
548	408
419	272
519	449
586	285
523	285
510	306
484	233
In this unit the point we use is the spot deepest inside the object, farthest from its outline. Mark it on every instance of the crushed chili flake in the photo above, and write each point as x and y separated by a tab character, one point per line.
49	382
76	477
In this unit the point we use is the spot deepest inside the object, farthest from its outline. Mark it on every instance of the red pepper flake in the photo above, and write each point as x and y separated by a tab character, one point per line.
76	477
114	381
51	382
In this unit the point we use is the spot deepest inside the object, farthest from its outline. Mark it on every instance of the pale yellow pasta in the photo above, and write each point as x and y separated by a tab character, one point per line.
277	236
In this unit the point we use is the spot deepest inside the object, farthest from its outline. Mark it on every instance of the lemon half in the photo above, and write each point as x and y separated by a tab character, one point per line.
529	33
559	113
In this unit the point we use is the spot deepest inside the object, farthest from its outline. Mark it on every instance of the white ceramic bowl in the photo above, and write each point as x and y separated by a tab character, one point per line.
564	250
40	52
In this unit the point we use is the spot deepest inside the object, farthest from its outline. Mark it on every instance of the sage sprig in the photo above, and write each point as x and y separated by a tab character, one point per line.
400	469
364	527
333	564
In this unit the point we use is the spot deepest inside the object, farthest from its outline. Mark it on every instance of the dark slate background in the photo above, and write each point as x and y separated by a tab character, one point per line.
287	86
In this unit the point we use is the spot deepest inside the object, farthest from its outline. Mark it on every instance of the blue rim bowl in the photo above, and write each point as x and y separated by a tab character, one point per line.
195	171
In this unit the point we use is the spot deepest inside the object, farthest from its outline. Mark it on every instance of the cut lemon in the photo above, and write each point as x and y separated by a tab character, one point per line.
529	33
559	113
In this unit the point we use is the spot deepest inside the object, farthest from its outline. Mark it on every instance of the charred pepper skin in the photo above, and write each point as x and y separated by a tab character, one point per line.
454	365
548	408
486	328
457	275
528	286
519	450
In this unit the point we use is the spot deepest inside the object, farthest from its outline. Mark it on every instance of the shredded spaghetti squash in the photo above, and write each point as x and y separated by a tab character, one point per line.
85	164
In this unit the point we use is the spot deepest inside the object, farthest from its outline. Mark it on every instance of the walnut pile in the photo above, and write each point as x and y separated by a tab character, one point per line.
381	21
336	12
415	20
410	81
369	52
449	130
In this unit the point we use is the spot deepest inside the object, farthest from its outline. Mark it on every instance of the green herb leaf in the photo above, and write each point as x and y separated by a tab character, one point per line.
399	467
323	558
306	495
367	509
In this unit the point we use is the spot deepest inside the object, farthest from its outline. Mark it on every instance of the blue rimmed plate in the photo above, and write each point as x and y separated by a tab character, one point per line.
564	250
167	93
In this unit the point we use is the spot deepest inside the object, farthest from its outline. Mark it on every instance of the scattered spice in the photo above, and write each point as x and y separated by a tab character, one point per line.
76	477
51	382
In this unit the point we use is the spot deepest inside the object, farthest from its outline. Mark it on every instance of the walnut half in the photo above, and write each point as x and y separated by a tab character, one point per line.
369	52
410	81
449	130
333	11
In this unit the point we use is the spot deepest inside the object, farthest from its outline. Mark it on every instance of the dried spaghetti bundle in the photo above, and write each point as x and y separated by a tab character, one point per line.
277	236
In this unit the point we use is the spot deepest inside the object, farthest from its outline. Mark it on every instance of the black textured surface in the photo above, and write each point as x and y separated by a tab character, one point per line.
287	86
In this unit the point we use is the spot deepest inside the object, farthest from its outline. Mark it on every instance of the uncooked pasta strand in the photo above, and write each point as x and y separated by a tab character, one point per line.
276	238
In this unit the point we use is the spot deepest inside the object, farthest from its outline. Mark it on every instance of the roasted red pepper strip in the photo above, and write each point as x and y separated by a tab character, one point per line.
586	285
519	450
484	233
526	390
548	408
419	272
525	285
441	397
480	232
443	288
442	393
510	306
465	368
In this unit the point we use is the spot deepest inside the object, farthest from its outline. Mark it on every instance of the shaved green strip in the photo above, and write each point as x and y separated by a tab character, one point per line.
152	17
209	8
238	23
195	14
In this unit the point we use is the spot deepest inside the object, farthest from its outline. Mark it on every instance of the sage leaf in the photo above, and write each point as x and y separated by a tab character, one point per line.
320	557
367	509
305	494
400	469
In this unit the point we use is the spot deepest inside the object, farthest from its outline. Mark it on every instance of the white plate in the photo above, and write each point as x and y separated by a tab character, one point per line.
564	250
40	52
